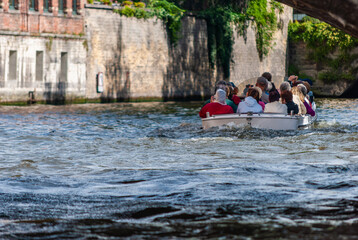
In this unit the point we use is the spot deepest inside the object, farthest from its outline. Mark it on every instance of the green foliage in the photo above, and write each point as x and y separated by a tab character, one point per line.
335	76
293	70
127	3
168	12
265	22
139	4
171	16
223	16
321	37
323	40
90	1
107	2
127	11
220	35
141	13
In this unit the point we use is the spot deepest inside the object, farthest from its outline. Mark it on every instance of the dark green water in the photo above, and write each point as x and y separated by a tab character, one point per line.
148	170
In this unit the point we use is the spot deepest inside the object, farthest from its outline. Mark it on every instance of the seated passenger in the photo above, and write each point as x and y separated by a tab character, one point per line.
251	102
309	95
298	98
293	80
233	93
218	106
268	76
262	104
306	102
286	97
274	106
262	83
285	86
222	85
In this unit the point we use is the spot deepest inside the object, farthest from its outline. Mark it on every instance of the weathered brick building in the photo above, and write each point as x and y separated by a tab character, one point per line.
42	16
41	49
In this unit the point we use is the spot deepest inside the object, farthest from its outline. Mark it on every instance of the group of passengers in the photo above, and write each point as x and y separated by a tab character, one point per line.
293	97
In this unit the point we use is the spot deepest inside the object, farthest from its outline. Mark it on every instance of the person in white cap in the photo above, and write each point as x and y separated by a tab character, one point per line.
218	106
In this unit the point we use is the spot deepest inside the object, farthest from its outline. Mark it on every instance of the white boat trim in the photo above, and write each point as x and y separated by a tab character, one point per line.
260	120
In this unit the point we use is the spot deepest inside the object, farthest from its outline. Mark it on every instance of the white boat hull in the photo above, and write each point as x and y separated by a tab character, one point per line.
262	120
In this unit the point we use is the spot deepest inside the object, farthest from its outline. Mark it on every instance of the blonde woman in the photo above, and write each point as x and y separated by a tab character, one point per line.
299	99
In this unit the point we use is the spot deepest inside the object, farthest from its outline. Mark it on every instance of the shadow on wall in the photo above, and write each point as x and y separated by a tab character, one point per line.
55	93
117	76
188	76
352	91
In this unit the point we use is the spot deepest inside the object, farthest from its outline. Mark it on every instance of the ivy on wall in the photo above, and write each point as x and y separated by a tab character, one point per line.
168	12
329	47
222	16
225	16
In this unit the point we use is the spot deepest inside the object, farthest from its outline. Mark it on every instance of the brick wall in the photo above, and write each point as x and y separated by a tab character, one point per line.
21	18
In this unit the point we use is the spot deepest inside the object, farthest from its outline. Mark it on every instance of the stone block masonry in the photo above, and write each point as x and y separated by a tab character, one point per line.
57	51
53	68
41	50
138	61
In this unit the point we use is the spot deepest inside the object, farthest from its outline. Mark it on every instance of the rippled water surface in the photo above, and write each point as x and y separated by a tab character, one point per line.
148	170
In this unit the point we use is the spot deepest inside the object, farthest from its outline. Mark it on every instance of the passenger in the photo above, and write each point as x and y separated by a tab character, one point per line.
287	97
268	76
309	96
274	106
262	83
285	86
306	102
234	92
218	106
222	85
262	104
247	88
298	98
292	80
251	102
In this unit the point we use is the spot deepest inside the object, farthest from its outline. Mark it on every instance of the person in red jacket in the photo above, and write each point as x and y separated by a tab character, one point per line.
218	106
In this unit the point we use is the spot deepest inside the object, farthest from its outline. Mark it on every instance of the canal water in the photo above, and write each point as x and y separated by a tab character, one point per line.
148	170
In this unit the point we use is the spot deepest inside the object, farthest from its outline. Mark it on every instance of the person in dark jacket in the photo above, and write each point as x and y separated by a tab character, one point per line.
287	97
268	76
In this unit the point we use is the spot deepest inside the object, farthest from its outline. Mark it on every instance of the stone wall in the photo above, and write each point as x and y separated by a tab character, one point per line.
246	66
51	67
307	67
135	56
138	61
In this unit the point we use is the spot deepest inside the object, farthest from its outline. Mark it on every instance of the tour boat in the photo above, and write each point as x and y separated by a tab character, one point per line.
272	121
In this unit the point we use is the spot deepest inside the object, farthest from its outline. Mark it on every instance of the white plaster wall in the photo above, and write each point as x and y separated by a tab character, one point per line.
26	47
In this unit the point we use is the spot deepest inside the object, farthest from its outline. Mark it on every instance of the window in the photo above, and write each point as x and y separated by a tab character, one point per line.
32	5
39	65
12	65
46	5
63	75
74	7
60	6
12	4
